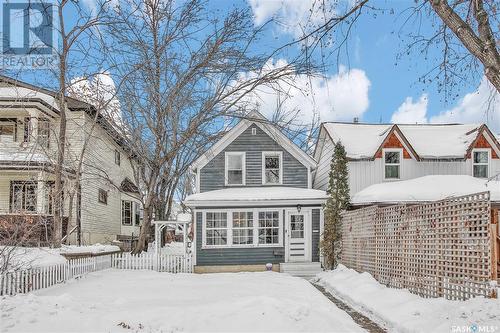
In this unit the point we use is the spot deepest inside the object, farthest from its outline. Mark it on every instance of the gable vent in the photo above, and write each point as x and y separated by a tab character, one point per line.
254	131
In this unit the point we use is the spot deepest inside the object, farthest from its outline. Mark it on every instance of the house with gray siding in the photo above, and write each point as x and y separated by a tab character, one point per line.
254	203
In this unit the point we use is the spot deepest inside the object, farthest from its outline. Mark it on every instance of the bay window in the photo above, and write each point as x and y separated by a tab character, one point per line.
235	168
480	163
272	167
392	163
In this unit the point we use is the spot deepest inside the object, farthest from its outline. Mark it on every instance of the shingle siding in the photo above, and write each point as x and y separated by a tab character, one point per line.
234	256
212	175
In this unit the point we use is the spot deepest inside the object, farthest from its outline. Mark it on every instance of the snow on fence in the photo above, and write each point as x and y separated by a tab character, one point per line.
172	263
438	249
23	281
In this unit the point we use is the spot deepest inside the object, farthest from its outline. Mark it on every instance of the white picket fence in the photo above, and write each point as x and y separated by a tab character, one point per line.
23	281
172	263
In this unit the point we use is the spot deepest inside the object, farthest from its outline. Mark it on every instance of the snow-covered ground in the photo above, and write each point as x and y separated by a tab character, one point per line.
148	301
401	311
27	257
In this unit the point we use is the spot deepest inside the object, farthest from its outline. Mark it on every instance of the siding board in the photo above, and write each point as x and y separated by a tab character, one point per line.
212	175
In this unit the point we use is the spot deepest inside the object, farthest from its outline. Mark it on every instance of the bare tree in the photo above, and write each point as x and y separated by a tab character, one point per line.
183	66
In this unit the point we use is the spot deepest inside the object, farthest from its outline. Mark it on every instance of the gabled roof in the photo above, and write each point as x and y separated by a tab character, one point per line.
270	129
425	141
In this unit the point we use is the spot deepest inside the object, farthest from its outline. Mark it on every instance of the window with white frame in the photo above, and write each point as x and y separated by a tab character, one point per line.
7	130
269	226
242	228
392	164
272	167
216	228
43	132
235	168
23	196
126	212
480	163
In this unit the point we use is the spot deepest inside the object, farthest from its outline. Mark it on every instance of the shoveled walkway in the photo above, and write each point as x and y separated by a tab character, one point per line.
360	319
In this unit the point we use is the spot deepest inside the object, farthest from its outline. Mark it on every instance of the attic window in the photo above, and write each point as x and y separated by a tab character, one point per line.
254	131
480	163
392	163
271	167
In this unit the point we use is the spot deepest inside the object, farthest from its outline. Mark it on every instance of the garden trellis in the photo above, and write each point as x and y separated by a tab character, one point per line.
437	249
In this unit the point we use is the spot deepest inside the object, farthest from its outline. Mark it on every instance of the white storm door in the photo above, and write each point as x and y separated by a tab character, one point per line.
298	237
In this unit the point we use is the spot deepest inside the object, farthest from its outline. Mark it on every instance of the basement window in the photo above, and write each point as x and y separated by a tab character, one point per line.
480	163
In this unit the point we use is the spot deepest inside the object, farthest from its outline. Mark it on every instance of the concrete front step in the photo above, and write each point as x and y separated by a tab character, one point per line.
301	269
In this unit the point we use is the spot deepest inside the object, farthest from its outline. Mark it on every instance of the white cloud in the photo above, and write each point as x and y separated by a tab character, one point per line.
340	96
480	106
292	16
411	112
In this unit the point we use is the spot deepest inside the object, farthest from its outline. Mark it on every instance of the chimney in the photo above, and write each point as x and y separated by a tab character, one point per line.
355	120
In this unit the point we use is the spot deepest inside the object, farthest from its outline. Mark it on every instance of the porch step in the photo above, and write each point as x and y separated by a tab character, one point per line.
305	270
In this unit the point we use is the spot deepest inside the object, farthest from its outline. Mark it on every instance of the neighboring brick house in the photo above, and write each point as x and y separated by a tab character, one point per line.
29	124
380	153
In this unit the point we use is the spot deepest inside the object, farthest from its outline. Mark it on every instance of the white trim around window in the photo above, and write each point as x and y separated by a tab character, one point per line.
481	163
251	214
398	164
243	168
278	154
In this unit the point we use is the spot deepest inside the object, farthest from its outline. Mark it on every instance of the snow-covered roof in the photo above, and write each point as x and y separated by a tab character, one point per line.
427	188
256	195
429	141
440	141
22	156
361	141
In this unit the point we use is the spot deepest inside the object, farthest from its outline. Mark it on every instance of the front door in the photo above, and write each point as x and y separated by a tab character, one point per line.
297	236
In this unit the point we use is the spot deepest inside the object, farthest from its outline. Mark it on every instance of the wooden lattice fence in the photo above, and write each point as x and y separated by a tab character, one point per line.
438	249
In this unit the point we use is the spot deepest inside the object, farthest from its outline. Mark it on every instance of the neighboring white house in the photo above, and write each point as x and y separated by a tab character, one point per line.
29	125
381	153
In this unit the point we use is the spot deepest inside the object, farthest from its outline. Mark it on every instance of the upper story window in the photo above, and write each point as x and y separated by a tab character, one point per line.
7	130
235	168
103	196
26	129
117	157
43	132
480	163
272	167
392	163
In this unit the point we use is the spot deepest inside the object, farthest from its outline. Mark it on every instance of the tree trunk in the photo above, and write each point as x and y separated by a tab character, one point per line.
142	243
483	46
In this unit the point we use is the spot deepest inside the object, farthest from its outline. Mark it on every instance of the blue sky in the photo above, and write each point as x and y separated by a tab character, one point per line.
368	80
375	85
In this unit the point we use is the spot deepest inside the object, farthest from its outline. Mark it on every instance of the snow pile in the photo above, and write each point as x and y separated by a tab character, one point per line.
427	188
148	301
173	248
29	257
401	311
93	249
